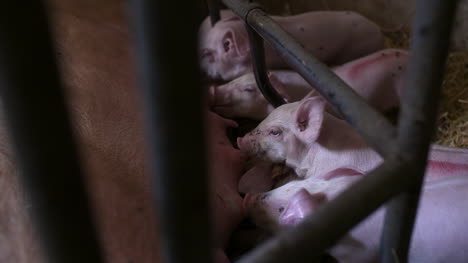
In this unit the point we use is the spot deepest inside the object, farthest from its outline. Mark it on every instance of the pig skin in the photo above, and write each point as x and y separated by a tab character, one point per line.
226	167
313	142
97	63
376	77
331	37
98	66
264	176
257	179
93	48
438	236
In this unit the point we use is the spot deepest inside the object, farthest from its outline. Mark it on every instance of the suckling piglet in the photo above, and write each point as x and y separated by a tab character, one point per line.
378	78
313	142
440	230
330	36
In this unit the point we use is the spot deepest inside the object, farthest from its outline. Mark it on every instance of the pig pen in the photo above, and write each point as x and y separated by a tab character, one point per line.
395	19
454	90
181	213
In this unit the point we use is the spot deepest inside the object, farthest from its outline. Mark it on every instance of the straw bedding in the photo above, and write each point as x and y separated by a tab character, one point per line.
452	123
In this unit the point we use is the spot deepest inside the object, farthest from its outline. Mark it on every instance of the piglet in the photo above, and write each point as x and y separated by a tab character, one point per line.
313	142
292	202
439	234
378	78
332	37
226	167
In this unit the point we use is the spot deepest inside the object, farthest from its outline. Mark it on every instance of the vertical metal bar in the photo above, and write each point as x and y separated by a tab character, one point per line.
257	54
42	137
431	36
213	10
166	40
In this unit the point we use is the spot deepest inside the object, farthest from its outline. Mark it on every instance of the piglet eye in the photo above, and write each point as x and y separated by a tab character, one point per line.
249	89
207	54
275	132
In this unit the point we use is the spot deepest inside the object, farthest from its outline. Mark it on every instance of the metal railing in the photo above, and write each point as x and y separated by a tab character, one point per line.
166	33
404	148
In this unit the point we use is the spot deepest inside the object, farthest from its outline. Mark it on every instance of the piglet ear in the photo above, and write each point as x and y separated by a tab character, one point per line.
279	86
231	40
309	119
300	206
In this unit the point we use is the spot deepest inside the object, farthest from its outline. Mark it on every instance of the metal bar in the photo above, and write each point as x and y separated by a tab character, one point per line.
213	10
257	53
174	115
429	48
41	133
307	241
373	127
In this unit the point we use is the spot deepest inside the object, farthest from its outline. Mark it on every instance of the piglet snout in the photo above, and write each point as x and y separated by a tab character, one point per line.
245	143
248	145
